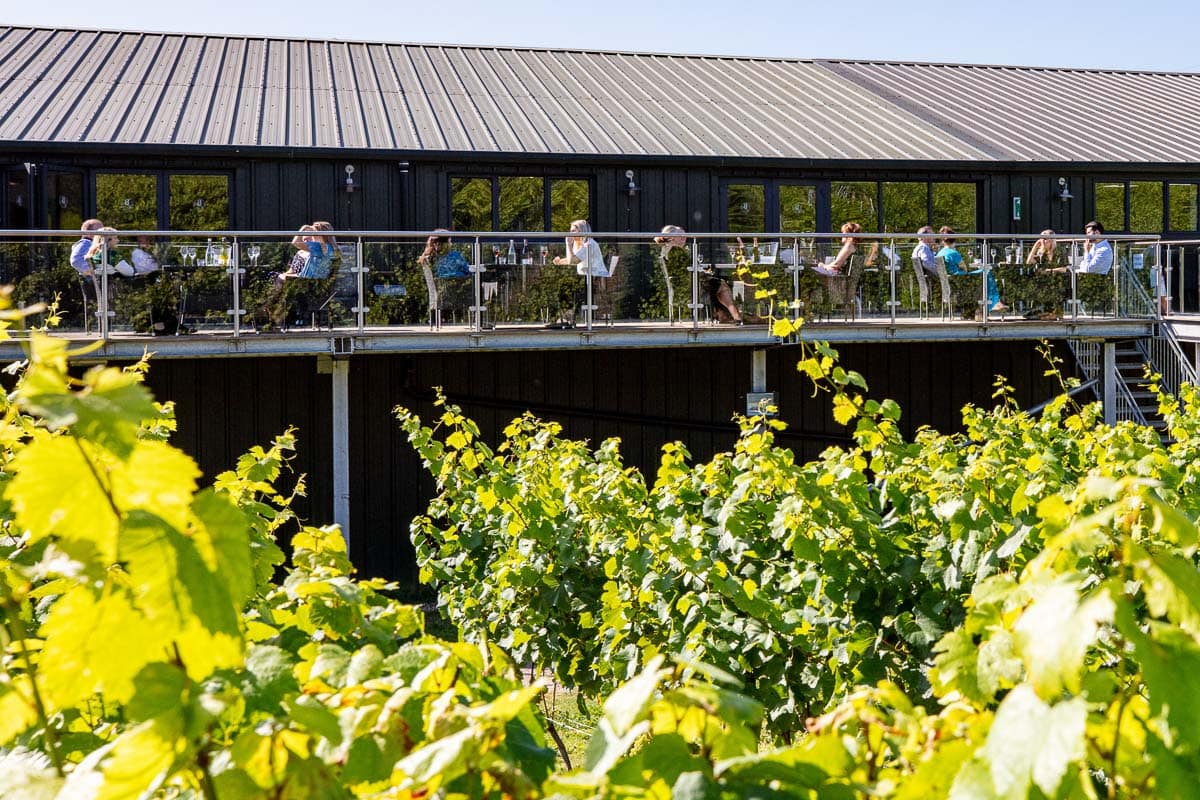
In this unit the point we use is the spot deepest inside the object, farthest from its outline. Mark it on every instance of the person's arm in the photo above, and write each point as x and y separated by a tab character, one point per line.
1035	253
80	253
842	257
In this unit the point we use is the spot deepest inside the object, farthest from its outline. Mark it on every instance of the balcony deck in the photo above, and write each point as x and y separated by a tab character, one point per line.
223	343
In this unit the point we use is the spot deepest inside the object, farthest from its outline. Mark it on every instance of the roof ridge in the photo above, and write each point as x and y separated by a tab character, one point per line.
603	51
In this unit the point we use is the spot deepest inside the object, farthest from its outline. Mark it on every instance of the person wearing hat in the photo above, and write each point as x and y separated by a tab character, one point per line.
674	262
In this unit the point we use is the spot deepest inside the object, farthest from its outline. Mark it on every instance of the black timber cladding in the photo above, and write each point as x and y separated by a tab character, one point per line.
645	397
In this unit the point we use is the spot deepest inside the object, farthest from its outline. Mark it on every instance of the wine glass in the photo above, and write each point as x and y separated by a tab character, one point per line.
189	254
253	251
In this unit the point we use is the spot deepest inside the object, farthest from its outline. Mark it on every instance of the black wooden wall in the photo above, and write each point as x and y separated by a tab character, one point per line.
645	397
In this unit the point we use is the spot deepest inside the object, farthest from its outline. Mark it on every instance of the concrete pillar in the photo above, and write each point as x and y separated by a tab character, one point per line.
340	378
758	376
1108	376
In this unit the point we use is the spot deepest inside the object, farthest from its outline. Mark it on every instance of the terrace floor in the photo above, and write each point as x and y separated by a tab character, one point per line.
218	343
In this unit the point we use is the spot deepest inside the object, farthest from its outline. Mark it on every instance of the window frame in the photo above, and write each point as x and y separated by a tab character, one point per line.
494	181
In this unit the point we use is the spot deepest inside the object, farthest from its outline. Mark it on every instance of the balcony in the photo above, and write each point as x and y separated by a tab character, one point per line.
221	293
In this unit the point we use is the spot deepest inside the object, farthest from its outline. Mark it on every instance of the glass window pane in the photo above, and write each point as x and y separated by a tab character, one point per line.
64	199
199	202
17	215
521	204
1183	207
568	202
745	207
954	205
1110	206
854	202
127	201
905	206
1145	206
797	209
471	204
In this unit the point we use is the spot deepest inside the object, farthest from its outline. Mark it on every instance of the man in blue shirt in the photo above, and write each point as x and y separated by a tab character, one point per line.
81	249
1097	252
923	253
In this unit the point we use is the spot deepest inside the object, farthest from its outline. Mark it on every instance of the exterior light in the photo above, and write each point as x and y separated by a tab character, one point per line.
631	188
199	202
62	201
349	178
1064	191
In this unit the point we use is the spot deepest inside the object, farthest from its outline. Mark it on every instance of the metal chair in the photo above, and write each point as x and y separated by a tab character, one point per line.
922	289
435	308
947	295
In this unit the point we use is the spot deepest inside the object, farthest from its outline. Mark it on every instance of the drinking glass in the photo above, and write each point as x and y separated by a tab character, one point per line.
253	251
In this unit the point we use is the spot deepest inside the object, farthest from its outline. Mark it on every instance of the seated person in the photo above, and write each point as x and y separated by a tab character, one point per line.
675	260
103	252
841	261
923	253
1097	252
449	269
584	252
143	259
1046	253
81	250
954	266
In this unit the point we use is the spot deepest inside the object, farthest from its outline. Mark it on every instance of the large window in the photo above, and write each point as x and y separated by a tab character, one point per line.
905	206
746	207
1138	206
797	208
198	202
1183	205
954	205
127	201
856	201
519	203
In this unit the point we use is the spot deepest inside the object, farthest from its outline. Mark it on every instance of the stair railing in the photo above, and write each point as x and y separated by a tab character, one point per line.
1089	355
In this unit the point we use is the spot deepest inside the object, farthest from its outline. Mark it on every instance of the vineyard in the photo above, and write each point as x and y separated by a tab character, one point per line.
1011	612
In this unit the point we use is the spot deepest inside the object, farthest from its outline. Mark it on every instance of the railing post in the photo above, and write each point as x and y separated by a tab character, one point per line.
794	268
983	257
477	279
694	305
893	263
1109	382
588	308
360	309
235	272
102	294
1073	273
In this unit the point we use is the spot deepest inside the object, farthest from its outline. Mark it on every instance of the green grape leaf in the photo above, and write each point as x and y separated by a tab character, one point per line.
55	491
229	556
17	709
141	759
78	654
158	689
308	713
183	601
1031	742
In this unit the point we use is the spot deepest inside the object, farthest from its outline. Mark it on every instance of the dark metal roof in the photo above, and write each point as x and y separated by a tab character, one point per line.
163	89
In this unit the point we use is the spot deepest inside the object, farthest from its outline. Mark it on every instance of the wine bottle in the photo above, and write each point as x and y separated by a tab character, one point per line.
526	253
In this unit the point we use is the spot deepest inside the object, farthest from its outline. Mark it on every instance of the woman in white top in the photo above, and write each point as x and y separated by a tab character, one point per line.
841	262
583	251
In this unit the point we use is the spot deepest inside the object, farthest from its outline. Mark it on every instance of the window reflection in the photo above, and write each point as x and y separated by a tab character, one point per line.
954	205
1110	205
745	207
854	201
64	200
568	202
905	206
521	204
797	209
1183	207
127	201
1145	206
199	202
471	204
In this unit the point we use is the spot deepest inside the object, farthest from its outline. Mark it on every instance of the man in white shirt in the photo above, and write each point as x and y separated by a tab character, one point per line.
143	259
923	253
1097	252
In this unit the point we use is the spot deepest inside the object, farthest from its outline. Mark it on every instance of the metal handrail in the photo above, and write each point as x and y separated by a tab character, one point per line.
1166	359
624	235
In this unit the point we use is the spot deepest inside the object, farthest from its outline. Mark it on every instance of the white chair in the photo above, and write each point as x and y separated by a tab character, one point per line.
435	308
922	290
608	287
944	280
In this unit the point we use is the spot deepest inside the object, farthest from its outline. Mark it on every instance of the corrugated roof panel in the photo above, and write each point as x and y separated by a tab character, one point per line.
251	98
145	103
225	104
542	97
198	101
165	123
603	121
71	85
393	67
